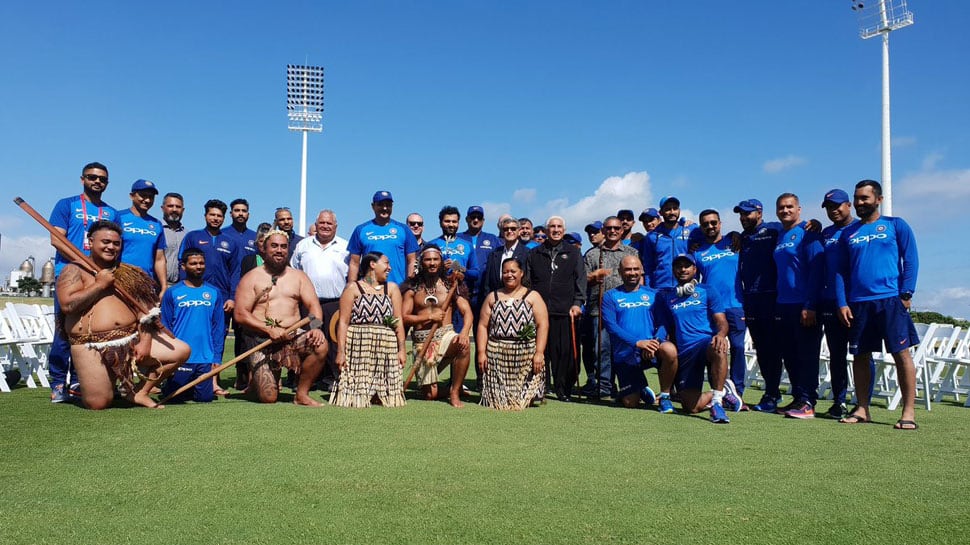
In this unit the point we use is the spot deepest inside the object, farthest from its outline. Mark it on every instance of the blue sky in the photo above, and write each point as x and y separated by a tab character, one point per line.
535	108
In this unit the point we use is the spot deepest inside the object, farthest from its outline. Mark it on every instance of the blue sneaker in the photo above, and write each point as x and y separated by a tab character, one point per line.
732	401
647	395
767	404
666	406
718	416
58	394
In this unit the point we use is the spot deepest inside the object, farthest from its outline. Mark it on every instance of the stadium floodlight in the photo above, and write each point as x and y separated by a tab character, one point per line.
304	110
880	17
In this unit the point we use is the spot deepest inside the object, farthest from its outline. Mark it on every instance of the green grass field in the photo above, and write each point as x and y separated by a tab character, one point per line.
237	472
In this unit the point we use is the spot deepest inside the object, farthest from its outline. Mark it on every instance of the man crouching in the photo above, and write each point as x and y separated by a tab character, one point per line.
268	301
111	342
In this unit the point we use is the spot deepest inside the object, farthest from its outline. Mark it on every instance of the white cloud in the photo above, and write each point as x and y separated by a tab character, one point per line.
524	196
953	301
774	166
900	142
931	199
930	161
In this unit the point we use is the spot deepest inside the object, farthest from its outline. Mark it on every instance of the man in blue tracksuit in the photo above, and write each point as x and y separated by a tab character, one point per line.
72	216
874	285
658	247
799	260
221	261
717	267
192	311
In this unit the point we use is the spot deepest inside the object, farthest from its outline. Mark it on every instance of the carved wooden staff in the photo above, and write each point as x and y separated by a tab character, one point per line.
457	278
312	320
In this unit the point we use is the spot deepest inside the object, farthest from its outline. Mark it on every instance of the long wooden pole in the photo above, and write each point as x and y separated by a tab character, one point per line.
423	356
313	321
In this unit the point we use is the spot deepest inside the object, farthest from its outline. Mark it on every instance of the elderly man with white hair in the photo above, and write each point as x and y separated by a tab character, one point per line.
555	270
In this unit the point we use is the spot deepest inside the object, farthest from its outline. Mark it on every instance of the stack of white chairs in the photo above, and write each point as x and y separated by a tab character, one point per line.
950	368
886	383
31	338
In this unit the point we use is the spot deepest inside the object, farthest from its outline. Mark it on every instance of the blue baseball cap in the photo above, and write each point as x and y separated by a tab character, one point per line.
649	213
624	212
667	199
573	238
594	227
382	196
835	196
475	210
749	205
144	185
688	257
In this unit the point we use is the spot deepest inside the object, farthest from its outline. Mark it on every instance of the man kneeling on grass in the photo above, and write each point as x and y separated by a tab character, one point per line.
697	324
110	341
268	302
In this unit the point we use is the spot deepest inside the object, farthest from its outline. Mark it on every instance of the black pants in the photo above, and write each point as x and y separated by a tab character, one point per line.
560	362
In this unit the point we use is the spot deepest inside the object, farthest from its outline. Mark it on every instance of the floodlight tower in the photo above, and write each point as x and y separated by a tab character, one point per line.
880	17
304	110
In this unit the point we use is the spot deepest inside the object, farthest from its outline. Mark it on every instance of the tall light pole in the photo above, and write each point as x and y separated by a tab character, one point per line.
880	17
304	111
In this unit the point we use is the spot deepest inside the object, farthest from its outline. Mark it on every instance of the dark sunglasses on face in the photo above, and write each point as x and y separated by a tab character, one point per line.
95	177
416	223
510	228
612	228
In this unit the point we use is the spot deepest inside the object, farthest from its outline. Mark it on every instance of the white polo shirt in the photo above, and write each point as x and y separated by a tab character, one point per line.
325	264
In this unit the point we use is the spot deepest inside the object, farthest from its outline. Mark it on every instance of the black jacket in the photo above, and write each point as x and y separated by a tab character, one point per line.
558	275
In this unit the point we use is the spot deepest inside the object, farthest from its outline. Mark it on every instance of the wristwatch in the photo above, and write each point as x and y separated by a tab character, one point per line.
906	296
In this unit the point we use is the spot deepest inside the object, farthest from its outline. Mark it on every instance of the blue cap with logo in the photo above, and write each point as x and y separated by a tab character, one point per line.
835	196
624	212
669	198
382	196
649	213
144	185
475	210
749	205
573	238
594	227
688	257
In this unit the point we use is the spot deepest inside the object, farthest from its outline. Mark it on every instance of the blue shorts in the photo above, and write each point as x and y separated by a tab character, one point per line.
881	321
630	376
186	373
691	364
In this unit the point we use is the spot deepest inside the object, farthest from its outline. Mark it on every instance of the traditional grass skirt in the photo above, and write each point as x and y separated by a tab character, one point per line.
371	368
510	384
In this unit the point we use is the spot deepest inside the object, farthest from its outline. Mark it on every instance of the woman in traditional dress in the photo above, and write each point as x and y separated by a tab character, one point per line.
511	342
370	347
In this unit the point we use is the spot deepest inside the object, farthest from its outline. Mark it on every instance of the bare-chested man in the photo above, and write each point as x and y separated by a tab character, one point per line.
423	308
107	337
268	302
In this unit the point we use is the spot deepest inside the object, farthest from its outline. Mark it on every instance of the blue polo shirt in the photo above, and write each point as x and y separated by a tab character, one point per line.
394	240
143	237
717	266
74	215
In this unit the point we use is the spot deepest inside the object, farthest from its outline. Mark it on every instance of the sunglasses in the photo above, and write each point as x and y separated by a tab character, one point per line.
540	237
95	177
612	228
510	229
416	223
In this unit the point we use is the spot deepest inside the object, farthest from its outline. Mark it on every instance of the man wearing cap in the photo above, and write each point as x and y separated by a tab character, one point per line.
693	316
650	218
799	261
283	220
759	285
594	232
482	245
574	238
626	219
143	239
72	216
602	268
839	210
658	247
717	267
383	234
555	270
874	283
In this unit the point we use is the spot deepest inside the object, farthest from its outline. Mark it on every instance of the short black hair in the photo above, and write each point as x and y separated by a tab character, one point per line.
876	186
189	252
104	224
215	203
95	164
707	212
173	195
239	201
448	211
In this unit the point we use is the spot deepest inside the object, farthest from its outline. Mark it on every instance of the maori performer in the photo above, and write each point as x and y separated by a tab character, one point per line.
370	350
425	309
268	301
110	341
511	342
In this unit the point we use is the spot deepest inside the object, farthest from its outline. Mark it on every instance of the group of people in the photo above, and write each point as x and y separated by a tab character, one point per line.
677	297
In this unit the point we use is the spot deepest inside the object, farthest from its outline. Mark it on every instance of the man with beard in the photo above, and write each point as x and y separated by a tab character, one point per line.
239	231
482	244
283	220
143	241
456	251
631	316
192	311
626	220
526	233
385	235
221	262
875	281
658	247
800	265
270	298
423	310
72	216
602	269
173	206
110	340
690	310
555	270
717	267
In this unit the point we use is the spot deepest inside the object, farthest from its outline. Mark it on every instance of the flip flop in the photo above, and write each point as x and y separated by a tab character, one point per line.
905	425
856	417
